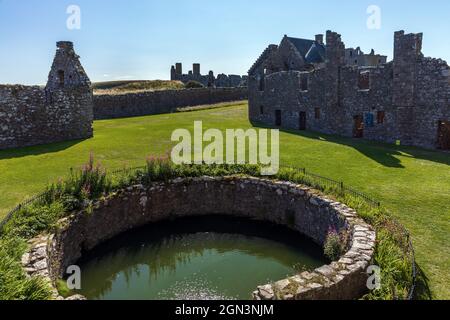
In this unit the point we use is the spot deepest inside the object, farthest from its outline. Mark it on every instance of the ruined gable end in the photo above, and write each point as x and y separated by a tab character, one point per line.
66	71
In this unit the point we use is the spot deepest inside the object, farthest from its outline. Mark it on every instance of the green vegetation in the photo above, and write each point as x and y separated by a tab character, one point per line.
334	246
193	85
411	183
14	285
118	87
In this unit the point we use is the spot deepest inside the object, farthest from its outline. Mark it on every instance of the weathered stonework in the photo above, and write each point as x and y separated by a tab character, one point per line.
284	203
32	115
164	101
406	100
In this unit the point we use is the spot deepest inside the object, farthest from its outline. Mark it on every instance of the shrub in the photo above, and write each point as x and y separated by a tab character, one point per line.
193	85
86	184
334	245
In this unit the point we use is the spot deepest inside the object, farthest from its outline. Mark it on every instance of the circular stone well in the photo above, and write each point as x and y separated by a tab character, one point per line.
295	206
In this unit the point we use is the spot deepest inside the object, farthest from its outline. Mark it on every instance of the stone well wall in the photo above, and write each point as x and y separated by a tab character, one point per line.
158	102
294	206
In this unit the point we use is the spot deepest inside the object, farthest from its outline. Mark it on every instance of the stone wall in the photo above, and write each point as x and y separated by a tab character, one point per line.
33	115
158	102
30	115
294	206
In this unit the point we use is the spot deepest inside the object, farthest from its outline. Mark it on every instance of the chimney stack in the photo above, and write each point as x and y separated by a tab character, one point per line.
319	38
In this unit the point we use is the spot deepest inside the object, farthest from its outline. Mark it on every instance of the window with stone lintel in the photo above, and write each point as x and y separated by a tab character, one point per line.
364	80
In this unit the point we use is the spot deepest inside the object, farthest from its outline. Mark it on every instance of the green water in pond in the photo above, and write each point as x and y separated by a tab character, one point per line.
205	258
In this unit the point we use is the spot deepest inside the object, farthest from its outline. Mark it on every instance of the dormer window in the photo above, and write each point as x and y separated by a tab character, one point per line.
61	78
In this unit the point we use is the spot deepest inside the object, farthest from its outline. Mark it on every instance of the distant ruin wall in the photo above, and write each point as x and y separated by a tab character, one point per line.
158	102
31	115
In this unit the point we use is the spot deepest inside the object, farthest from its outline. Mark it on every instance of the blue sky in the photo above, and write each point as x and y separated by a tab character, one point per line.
141	39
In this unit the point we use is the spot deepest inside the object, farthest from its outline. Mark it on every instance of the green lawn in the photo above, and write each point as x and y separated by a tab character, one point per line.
412	183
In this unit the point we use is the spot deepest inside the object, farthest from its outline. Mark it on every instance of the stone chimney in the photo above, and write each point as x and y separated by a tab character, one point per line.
319	38
65	45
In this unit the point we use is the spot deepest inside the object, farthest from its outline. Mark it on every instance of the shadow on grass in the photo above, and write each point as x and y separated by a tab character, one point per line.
383	153
38	150
422	291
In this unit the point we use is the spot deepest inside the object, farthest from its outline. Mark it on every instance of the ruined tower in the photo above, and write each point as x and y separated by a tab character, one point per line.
196	69
178	69
335	59
407	49
172	73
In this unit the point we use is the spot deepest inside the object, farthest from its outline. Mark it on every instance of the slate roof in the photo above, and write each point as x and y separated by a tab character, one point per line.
310	50
316	53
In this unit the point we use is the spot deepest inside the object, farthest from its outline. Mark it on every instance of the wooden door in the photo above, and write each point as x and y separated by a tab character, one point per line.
278	118
358	131
444	135
302	121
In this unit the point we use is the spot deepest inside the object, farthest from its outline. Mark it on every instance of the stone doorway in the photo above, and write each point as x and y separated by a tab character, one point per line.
358	129
278	118
444	135
302	121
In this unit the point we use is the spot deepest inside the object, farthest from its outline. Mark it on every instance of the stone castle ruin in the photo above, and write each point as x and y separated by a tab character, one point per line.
311	85
63	110
209	80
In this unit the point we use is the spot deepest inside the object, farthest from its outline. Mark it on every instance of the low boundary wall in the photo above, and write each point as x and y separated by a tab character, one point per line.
158	102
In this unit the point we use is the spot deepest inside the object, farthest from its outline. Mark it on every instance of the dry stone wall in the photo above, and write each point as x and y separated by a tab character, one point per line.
158	102
32	116
294	206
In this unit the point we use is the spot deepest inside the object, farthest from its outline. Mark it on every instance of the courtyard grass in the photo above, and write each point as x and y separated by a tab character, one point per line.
414	184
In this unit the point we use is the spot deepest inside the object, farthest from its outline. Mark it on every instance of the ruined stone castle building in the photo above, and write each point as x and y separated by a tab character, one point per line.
60	111
309	84
359	58
209	80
